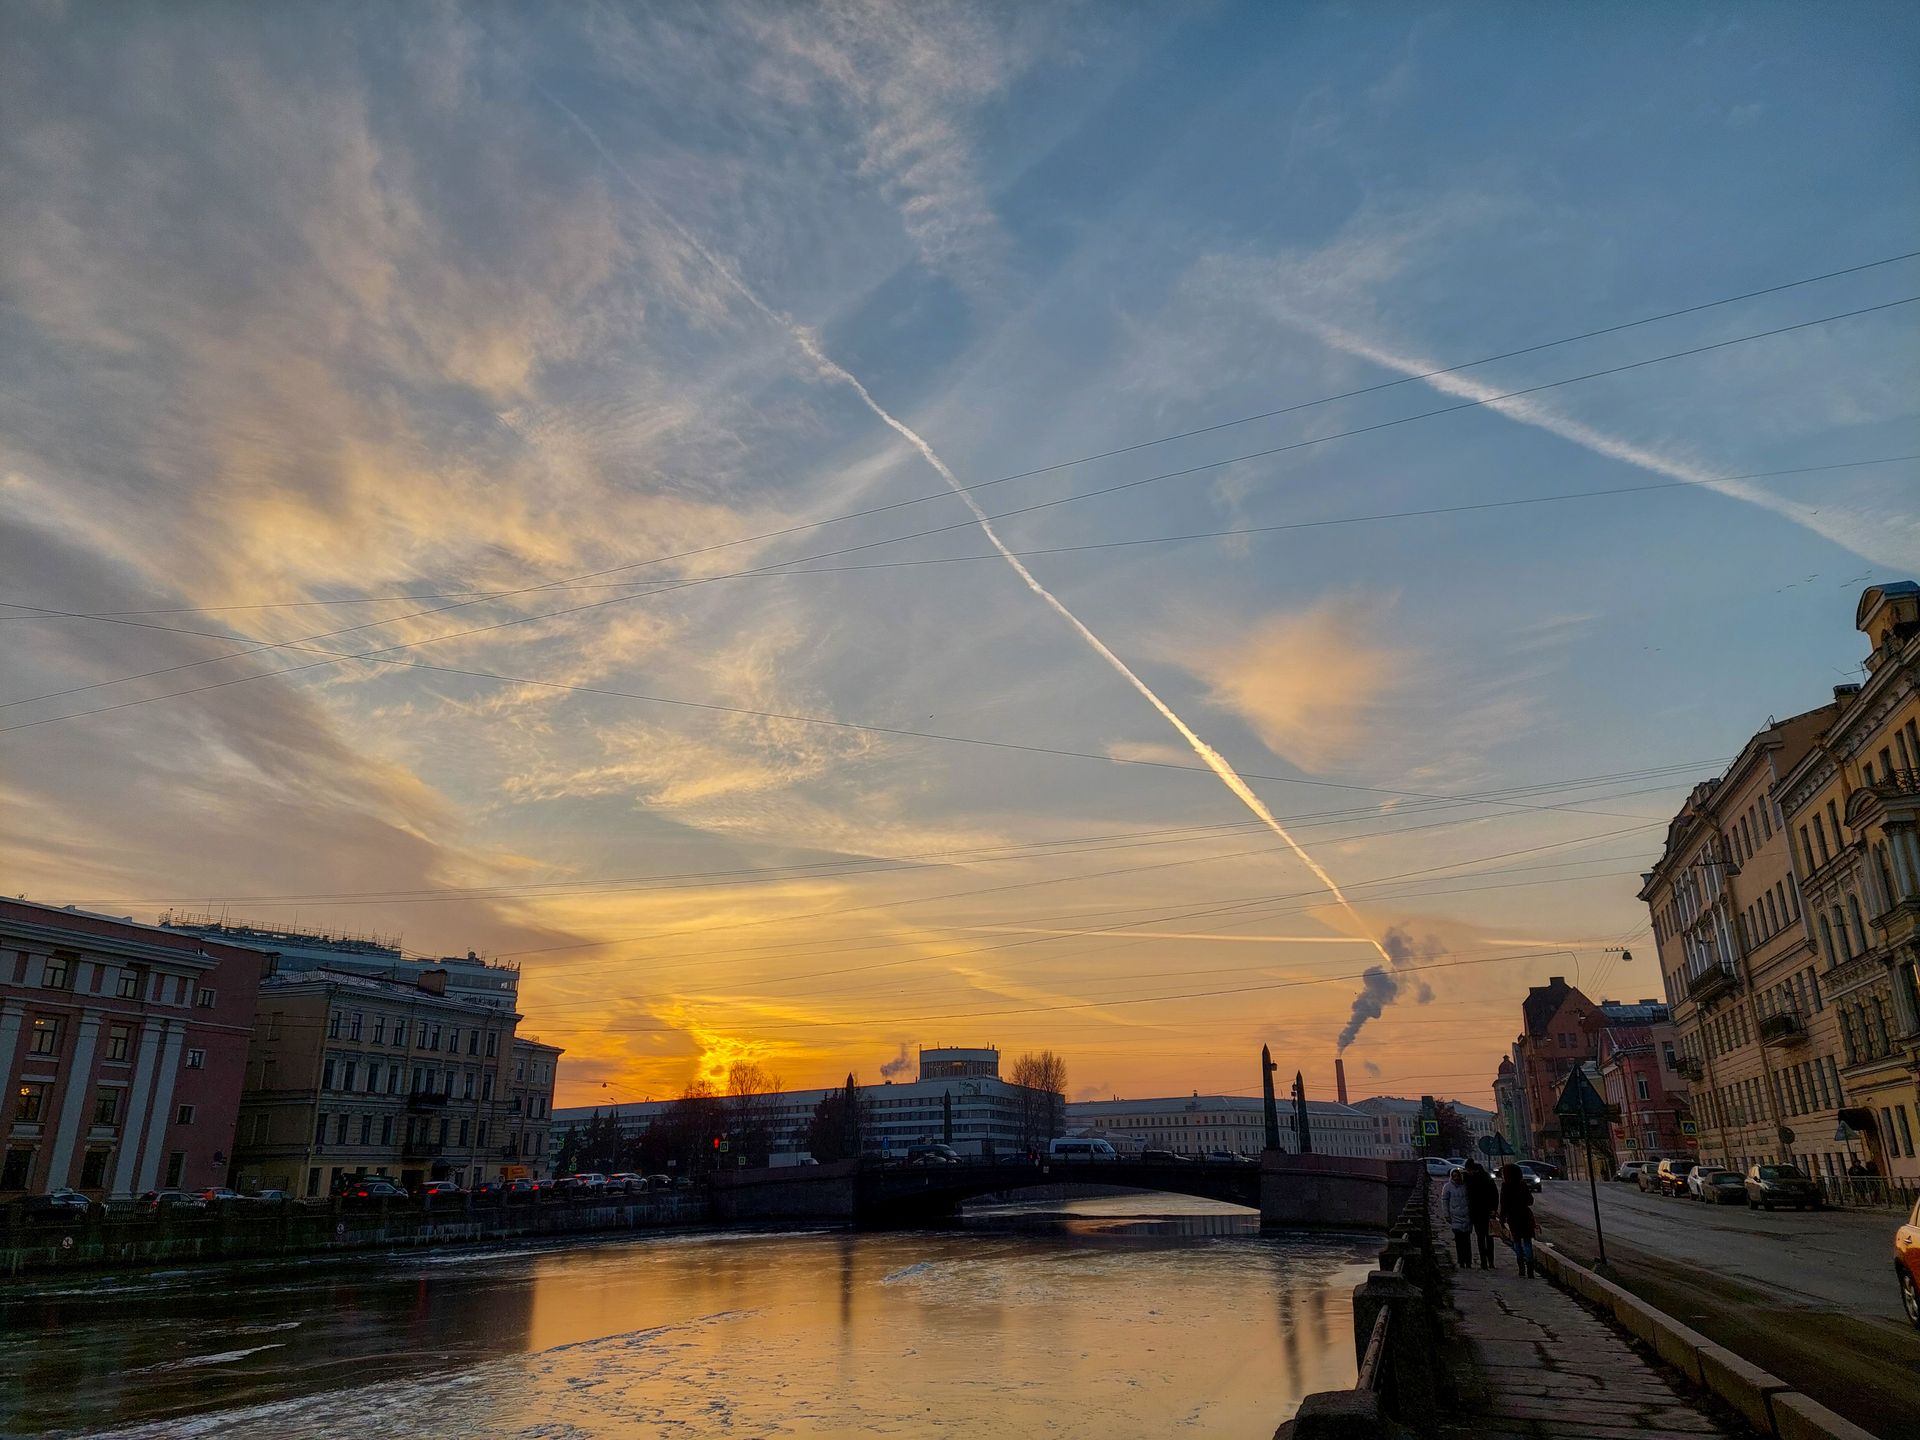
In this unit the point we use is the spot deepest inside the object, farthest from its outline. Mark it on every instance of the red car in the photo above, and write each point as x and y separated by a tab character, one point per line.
1906	1264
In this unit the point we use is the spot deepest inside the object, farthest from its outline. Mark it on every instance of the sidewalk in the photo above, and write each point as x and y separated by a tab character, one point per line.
1545	1367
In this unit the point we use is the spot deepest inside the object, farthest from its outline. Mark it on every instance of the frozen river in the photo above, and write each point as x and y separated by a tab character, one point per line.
1116	1317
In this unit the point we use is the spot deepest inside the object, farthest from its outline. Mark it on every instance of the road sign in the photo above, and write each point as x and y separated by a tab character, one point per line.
1495	1145
1572	1127
1578	1097
1786	1135
1689	1127
1429	1127
1419	1142
1692	1144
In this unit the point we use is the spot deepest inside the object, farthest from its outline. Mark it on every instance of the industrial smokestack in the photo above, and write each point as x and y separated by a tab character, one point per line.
1340	1077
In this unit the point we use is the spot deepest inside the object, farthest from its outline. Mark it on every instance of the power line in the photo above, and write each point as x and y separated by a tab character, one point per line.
1106	454
957	525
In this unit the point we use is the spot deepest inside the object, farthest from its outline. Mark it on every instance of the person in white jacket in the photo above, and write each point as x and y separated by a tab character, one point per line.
1456	1205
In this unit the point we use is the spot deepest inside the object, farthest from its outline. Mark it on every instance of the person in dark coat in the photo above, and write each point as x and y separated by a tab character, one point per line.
1483	1200
1516	1213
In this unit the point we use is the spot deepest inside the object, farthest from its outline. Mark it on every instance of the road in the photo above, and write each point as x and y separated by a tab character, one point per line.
1808	1295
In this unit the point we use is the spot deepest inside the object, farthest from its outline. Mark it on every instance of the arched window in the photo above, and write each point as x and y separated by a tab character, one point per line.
1826	941
1846	1033
1859	930
1840	925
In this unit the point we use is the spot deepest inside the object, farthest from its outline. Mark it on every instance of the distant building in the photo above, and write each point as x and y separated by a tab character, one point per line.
124	1047
1200	1124
1506	1105
988	1113
1639	1074
1555	1038
1396	1121
351	1074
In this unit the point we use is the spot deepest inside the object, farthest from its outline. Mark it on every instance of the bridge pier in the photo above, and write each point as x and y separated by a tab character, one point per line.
1334	1192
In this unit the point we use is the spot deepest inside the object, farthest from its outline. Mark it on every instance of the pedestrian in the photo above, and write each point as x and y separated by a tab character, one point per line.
1455	1204
1483	1199
1516	1213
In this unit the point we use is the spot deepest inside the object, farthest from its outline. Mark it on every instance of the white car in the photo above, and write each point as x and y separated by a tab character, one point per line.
1440	1169
1699	1178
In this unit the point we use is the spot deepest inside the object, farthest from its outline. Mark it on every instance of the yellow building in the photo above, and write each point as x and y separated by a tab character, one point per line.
1852	807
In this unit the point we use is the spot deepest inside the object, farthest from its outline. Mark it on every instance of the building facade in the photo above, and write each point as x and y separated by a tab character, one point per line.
1199	1125
1639	1076
1506	1105
1852	806
1784	907
1396	1121
350	1075
125	1049
1555	1037
530	1108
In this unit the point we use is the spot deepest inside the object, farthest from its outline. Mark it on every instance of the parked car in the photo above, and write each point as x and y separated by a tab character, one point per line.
61	1204
1160	1157
370	1192
1724	1187
1221	1157
439	1190
1080	1147
589	1182
1671	1176
932	1153
1906	1264
626	1182
659	1182
1698	1177
1439	1168
491	1191
1531	1176
1632	1170
156	1202
1771	1185
267	1199
219	1197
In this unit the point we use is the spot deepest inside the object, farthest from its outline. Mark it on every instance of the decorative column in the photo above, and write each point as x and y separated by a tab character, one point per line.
73	1105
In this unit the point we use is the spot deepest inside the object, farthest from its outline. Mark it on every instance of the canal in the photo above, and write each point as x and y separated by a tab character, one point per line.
1116	1317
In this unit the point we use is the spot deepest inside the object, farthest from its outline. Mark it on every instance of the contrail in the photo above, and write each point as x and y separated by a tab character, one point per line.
804	339
1889	540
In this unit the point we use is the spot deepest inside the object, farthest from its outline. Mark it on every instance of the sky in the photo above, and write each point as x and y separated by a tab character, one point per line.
604	379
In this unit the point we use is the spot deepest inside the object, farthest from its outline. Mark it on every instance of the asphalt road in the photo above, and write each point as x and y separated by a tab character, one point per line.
1809	1295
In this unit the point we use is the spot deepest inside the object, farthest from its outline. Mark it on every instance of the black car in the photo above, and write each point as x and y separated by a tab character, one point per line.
372	1192
1160	1157
59	1205
1771	1185
933	1153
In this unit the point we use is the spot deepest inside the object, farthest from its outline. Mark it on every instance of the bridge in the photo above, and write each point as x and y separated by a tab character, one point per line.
1290	1191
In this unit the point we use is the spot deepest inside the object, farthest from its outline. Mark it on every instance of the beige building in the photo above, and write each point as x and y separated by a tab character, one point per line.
1756	1038
1852	805
530	1107
350	1074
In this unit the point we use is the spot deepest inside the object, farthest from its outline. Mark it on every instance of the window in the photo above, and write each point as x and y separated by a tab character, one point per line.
106	1107
379	1029
430	1039
386	1129
354	1022
473	1042
204	999
196	1059
486	1086
93	1170
463	1133
320	1129
1859	930
119	1042
467	1094
58	974
30	1102
493	1043
1640	1087
184	1115
176	1169
130	985
400	1033
1906	1131
453	1039
19	1163
326	1073
480	1135
333	1025
44	1038
347	1073
340	1129
366	1129
1826	942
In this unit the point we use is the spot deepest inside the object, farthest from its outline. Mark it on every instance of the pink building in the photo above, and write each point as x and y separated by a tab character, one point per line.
1639	1072
124	1047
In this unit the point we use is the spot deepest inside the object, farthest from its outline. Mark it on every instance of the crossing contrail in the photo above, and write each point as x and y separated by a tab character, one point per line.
804	339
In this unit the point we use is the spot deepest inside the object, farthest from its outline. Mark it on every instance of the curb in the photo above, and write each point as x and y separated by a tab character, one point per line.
1764	1400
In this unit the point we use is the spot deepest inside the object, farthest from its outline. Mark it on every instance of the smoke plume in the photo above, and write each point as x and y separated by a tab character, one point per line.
901	1064
1380	985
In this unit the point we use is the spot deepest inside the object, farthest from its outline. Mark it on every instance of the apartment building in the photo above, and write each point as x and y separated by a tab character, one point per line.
1637	1062
1852	806
352	1074
124	1048
530	1107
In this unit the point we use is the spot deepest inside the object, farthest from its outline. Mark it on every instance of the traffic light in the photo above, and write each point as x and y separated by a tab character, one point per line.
716	1142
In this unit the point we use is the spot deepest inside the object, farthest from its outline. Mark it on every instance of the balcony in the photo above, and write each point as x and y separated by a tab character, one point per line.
1783	1027
1712	983
427	1099
421	1150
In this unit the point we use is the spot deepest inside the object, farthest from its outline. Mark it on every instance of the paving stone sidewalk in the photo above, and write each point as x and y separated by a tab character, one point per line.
1547	1368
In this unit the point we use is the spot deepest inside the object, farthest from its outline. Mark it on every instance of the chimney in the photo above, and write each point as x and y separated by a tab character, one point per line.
433	982
1340	1077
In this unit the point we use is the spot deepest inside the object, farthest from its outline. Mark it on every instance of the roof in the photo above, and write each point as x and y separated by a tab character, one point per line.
1642	1012
1175	1104
1400	1105
375	987
1543	1002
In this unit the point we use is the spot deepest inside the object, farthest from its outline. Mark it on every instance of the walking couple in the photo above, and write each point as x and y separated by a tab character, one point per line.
1471	1201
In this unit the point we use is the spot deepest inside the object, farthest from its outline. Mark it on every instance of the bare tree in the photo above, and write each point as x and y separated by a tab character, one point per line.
1042	1080
750	1110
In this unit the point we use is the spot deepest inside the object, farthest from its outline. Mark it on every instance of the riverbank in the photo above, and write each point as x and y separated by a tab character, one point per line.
127	1243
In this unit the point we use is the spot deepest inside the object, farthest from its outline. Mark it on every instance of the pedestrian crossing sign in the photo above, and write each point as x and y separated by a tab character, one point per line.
1429	1127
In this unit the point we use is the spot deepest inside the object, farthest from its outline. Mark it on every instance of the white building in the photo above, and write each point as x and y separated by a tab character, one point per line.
1396	1121
1197	1124
987	1111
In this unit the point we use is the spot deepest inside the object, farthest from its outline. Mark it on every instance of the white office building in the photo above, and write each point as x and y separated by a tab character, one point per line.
1396	1121
1201	1124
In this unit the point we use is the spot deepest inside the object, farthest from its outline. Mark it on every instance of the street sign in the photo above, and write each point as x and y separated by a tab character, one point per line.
1419	1142
1572	1127
1786	1135
1692	1144
1429	1127
1689	1127
1578	1097
1495	1145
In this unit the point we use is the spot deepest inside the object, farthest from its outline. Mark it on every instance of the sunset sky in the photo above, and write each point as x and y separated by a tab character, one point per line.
541	352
